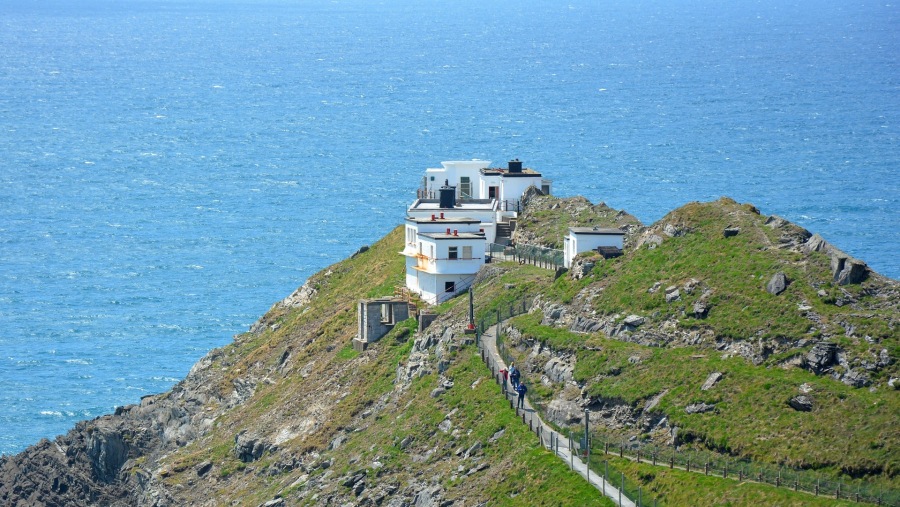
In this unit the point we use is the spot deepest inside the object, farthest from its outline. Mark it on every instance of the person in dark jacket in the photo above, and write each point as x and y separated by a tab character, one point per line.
514	376
521	389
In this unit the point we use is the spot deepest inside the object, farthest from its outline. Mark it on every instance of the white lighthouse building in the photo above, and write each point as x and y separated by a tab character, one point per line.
459	209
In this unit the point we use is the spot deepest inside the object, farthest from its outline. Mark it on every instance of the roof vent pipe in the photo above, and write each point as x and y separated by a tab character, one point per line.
448	231
432	218
456	232
442	215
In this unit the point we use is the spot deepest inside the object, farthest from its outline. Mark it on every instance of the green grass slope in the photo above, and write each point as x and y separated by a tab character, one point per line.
325	413
334	426
850	432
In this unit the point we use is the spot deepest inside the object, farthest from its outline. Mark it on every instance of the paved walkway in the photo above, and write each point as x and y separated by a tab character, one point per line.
557	443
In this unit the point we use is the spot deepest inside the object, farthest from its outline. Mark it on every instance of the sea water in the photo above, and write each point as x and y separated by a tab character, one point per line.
171	168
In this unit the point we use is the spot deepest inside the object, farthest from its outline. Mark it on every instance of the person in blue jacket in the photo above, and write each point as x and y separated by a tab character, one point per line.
521	389
514	376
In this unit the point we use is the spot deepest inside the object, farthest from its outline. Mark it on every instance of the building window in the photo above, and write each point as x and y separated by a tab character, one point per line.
467	252
449	287
387	313
454	252
465	187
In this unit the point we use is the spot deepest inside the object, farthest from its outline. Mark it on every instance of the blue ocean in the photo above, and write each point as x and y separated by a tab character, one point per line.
171	168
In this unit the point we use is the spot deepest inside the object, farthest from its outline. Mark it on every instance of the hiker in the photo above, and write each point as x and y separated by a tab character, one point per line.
514	376
504	375
521	389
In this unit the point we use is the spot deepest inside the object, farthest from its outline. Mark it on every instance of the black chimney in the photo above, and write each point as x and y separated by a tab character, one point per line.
515	166
448	195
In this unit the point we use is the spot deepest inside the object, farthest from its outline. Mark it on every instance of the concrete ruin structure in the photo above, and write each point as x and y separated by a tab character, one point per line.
376	317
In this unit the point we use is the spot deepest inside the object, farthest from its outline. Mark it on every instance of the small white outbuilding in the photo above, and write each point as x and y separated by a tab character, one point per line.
582	239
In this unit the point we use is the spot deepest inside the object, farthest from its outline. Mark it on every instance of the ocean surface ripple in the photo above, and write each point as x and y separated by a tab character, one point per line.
170	168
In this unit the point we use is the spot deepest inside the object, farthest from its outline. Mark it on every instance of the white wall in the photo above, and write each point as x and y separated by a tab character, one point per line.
487	216
574	244
514	187
452	170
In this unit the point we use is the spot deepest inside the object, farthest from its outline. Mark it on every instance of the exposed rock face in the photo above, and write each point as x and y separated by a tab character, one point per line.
116	460
580	268
845	269
711	381
672	294
802	403
559	369
821	357
564	412
633	321
699	408
700	308
108	451
777	284
249	448
856	378
848	270
792	237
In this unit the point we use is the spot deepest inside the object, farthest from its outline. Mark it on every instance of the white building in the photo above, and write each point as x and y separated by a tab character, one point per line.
475	179
456	215
582	239
485	211
442	256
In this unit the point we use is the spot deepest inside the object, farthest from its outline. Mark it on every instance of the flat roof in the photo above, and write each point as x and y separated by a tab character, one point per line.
462	235
497	171
445	220
468	204
597	230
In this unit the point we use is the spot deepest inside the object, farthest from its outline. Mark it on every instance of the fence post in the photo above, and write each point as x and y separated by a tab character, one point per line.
689	464
725	472
817	486
603	477
622	488
706	469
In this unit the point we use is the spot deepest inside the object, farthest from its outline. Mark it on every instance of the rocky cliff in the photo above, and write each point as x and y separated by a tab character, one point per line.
290	414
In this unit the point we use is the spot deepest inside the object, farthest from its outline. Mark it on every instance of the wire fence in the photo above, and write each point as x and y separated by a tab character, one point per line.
631	491
543	257
698	461
713	464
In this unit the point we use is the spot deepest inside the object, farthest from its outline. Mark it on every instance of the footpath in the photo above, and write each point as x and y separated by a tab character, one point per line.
551	439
